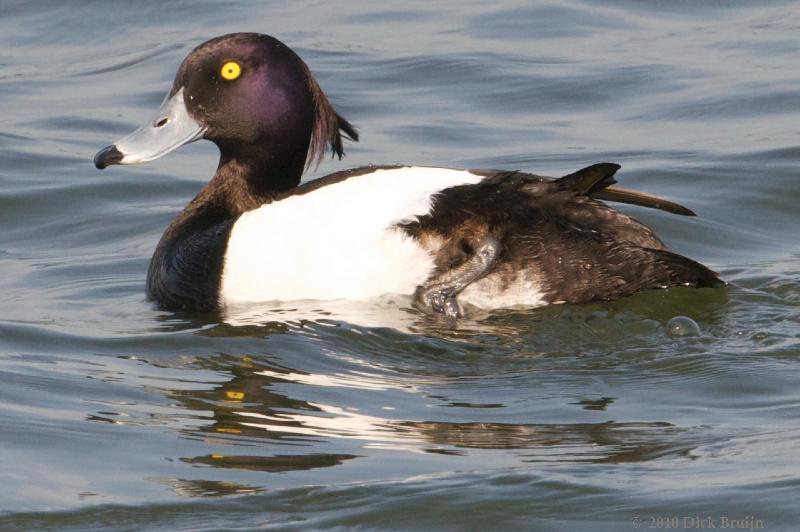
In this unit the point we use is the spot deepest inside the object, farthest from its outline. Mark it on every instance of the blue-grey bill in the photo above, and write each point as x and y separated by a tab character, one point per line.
171	128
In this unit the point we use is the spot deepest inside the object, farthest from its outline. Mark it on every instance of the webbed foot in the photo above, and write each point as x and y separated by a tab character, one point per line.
438	294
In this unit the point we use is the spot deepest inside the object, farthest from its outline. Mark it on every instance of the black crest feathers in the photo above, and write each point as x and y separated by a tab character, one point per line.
328	125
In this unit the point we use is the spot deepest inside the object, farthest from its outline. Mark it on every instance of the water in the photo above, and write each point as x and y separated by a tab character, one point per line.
660	410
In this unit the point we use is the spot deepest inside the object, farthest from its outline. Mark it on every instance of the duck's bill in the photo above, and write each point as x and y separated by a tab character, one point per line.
171	128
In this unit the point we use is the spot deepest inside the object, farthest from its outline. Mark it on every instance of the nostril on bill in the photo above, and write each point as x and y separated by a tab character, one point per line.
162	122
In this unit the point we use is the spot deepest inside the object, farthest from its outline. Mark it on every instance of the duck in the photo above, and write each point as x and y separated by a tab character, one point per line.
445	236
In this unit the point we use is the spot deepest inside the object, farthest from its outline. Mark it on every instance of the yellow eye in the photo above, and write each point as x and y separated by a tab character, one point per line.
231	70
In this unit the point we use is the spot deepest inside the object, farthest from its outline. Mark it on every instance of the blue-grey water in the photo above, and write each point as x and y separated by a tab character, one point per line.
661	411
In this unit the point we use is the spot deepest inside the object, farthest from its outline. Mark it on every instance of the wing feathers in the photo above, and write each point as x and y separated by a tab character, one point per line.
596	180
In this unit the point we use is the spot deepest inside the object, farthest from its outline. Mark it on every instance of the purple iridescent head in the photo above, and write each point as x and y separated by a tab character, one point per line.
248	93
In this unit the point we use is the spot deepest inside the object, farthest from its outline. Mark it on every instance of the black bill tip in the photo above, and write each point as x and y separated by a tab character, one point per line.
107	156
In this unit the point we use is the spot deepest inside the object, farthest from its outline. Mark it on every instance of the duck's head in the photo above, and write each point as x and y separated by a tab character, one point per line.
249	94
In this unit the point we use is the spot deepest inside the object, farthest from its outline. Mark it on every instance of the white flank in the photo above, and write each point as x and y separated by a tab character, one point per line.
337	242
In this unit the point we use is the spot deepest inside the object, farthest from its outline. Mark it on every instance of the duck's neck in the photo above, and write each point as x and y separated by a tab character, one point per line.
243	184
239	185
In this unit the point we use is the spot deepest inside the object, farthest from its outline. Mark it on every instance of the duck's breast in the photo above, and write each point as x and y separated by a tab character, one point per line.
339	241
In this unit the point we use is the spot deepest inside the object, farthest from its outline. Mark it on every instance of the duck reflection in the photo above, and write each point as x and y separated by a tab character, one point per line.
206	488
271	464
248	410
248	390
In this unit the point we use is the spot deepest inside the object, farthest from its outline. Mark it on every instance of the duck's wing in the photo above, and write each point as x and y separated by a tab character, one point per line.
596	182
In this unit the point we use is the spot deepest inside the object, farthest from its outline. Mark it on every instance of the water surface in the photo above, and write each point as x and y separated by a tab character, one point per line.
114	414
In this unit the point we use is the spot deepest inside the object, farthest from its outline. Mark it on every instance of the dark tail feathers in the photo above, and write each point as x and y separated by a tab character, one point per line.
686	272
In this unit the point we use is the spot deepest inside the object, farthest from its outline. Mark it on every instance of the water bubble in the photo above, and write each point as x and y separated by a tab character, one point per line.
683	326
